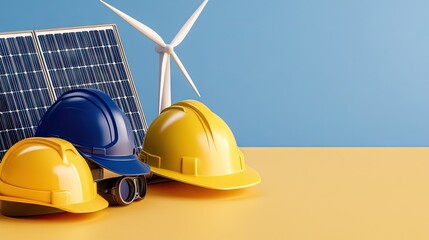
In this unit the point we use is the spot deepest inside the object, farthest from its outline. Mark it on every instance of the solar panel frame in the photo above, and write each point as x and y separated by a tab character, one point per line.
66	76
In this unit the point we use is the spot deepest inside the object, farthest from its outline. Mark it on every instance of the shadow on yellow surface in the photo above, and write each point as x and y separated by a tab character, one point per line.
29	213
179	190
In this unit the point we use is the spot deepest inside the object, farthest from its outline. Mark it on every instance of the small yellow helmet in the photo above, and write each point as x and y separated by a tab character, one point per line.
48	172
189	143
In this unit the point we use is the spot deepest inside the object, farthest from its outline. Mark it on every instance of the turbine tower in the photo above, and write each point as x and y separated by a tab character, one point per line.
165	51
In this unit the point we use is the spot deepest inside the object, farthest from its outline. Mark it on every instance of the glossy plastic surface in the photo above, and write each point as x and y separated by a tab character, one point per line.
95	125
189	143
48	172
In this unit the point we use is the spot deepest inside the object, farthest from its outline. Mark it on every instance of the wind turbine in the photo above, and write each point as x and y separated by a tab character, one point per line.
165	51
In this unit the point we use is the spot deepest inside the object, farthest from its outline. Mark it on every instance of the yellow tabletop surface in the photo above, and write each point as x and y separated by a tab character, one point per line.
305	193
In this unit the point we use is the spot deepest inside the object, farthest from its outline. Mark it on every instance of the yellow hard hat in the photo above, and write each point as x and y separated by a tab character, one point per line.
48	172
189	143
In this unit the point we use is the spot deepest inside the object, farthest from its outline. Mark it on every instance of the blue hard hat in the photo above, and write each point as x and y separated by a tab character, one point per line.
94	124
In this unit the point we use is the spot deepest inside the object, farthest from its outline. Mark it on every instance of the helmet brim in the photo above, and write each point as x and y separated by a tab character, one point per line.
96	204
123	165
247	178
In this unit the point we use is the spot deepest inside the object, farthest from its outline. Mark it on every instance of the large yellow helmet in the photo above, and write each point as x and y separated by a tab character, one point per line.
189	143
48	172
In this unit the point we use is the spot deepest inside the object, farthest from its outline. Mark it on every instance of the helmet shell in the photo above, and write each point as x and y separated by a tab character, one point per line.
48	172
189	143
94	124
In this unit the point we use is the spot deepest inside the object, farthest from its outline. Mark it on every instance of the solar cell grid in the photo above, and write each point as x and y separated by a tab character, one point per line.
36	67
92	58
24	93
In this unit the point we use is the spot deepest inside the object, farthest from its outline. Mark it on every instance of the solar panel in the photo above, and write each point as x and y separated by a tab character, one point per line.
24	92
92	57
37	67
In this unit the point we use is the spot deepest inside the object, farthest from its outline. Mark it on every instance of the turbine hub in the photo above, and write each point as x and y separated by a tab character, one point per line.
167	49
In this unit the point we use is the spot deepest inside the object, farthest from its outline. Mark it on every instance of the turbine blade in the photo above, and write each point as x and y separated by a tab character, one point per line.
145	30
162	79
188	25
182	68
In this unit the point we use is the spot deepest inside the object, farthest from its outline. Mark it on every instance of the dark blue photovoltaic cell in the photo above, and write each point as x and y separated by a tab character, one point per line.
91	58
24	95
84	58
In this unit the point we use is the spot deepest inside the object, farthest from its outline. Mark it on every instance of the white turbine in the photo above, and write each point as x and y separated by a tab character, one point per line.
165	51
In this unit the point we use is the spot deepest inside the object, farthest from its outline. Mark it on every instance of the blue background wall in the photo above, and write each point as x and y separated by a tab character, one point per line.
279	72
